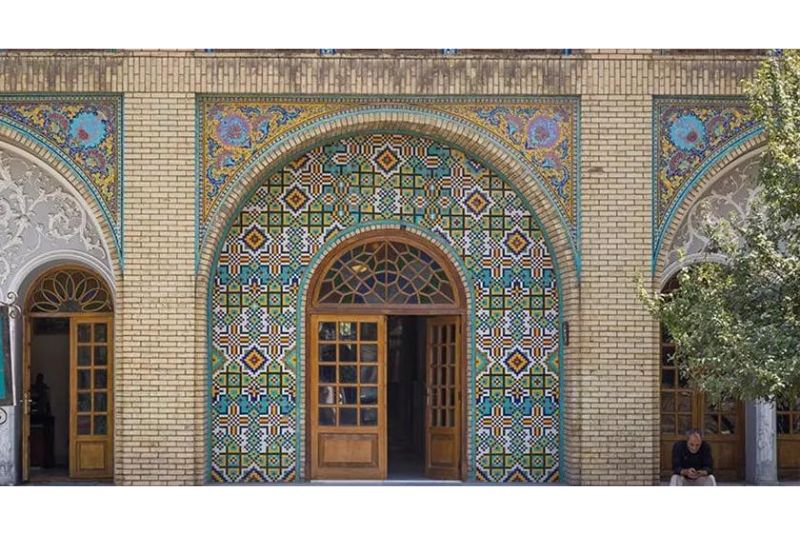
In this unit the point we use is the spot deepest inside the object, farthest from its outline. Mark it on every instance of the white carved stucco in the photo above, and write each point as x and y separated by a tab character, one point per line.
732	194
41	215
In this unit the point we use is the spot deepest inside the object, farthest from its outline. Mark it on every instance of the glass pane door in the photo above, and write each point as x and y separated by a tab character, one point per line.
348	401
90	398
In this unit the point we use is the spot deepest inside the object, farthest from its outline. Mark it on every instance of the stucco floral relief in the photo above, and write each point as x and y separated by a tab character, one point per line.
38	214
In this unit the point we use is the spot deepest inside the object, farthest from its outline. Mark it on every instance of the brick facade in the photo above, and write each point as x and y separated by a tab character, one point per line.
610	389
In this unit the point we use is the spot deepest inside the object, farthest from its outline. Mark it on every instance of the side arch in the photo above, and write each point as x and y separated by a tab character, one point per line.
531	358
77	217
38	153
726	170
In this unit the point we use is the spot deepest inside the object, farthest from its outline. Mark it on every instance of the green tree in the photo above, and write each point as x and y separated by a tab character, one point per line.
737	324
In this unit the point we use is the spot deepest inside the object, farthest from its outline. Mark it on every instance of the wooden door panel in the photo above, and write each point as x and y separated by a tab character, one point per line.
728	458
347	377
789	456
349	451
91	398
443	403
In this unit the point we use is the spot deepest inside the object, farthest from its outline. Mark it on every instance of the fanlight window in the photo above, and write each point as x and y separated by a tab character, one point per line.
386	272
70	290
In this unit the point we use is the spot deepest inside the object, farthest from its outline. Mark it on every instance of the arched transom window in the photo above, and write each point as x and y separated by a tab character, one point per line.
69	291
386	272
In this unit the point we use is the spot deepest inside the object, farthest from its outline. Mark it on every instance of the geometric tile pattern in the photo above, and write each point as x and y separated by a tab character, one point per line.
85	130
689	135
255	305
233	131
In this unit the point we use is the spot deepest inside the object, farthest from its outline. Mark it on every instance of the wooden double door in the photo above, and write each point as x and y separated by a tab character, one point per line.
683	408
90	396
348	397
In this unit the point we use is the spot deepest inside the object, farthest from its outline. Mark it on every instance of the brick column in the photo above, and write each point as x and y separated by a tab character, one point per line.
160	370
619	359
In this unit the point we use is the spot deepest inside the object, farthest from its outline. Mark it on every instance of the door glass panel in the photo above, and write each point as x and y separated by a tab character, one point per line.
347	353
327	416
783	423
347	330
84	379
369	374
369	353
684	423
369	395
348	396
100	378
710	424
84	402
369	331
683	382
668	423
369	416
100	332
347	374
667	401
668	378
327	352
100	402
666	355
327	395
84	355
727	424
84	425
84	332
797	423
327	374
327	330
100	355
684	401
347	416
100	424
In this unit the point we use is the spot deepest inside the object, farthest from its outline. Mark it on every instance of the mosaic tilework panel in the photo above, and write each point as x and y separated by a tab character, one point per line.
689	134
87	130
541	132
256	291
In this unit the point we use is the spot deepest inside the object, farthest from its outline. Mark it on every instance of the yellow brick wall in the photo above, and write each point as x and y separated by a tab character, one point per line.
610	388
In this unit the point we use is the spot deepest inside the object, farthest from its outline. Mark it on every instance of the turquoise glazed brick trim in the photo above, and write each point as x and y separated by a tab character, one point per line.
83	132
541	133
690	135
5	375
518	355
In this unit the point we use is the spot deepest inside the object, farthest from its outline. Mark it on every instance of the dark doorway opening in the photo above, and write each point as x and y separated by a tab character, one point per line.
406	397
49	388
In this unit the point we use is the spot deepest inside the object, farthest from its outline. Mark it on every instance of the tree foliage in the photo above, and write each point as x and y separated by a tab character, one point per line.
737	324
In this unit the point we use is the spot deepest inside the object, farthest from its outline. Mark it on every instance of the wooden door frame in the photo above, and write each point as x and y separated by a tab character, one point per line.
462	372
27	335
312	307
26	362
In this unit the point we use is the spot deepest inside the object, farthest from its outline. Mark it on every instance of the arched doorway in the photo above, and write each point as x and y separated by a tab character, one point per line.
684	408
67	428
348	186
385	349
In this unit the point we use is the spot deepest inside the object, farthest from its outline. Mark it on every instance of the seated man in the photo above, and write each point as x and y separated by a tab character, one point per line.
691	461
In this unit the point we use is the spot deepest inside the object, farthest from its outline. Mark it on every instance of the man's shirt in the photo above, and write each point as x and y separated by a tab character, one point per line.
683	458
